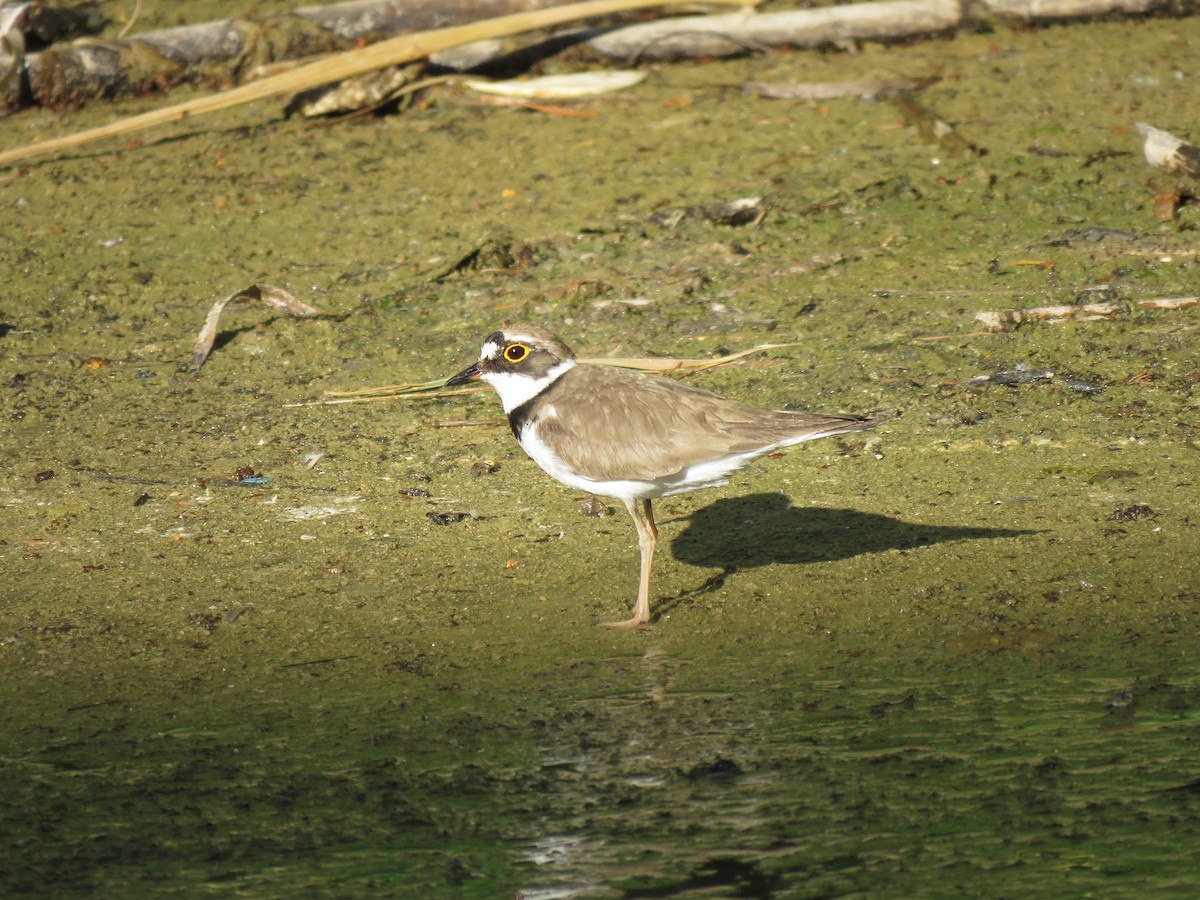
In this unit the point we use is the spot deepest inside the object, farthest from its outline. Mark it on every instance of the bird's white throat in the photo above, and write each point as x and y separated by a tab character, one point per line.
516	388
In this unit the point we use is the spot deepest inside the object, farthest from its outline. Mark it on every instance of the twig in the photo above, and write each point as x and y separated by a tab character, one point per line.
997	321
934	129
468	423
1058	10
1170	302
929	338
394	51
430	389
1001	320
137	7
725	35
829	90
316	662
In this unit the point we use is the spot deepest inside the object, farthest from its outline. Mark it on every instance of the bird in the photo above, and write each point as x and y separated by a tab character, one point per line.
630	435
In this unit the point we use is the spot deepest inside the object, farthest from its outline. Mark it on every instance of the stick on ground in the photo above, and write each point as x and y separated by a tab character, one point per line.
394	51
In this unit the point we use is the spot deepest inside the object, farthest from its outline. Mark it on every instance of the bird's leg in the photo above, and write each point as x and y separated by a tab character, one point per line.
643	519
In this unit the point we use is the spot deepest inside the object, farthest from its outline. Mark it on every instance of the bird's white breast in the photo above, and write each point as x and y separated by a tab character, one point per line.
543	454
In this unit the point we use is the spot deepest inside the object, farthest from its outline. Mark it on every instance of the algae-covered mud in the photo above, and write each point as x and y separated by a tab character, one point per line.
956	655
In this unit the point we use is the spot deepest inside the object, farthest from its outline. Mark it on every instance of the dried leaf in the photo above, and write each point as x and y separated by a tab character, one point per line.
560	87
268	293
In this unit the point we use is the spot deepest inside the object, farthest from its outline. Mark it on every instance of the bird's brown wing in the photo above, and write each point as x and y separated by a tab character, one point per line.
630	425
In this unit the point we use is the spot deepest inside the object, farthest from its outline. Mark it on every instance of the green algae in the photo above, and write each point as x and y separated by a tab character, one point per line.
899	666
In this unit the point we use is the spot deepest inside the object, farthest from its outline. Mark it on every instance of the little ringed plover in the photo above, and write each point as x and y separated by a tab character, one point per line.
629	435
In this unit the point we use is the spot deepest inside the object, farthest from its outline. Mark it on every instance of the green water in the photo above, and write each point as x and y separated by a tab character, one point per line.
752	771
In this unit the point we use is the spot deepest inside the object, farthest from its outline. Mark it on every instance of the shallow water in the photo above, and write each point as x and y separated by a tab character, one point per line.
750	771
956	656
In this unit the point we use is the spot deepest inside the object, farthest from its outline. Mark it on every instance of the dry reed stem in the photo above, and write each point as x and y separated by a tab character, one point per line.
429	389
394	51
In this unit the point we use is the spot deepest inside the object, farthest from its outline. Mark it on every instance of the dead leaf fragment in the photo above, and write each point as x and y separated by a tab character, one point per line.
560	87
267	293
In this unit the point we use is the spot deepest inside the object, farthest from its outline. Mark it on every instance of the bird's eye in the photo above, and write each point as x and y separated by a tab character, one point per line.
514	353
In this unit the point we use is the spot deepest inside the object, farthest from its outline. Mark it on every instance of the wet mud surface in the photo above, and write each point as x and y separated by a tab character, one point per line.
954	656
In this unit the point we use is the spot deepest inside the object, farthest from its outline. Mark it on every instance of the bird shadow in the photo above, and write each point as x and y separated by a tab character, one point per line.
764	529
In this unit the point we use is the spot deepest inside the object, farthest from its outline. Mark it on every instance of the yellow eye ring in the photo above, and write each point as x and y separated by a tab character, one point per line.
514	353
